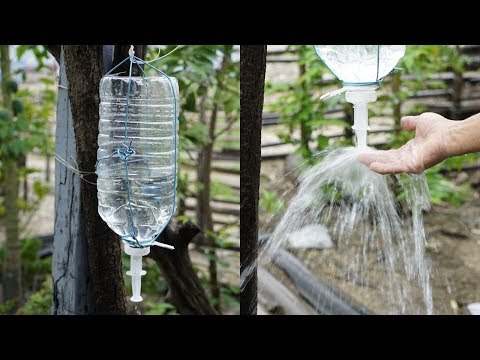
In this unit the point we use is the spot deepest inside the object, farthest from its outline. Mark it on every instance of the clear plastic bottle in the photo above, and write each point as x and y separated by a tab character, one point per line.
360	67
151	137
358	63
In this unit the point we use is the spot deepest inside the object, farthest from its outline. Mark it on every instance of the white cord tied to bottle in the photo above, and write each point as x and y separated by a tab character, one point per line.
144	120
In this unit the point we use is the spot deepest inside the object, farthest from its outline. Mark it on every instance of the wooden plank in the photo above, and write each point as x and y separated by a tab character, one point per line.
71	285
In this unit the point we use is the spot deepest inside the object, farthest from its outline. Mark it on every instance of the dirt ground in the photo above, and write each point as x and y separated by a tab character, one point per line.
452	246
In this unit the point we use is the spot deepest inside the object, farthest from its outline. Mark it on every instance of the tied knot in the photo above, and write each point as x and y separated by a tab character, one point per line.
125	152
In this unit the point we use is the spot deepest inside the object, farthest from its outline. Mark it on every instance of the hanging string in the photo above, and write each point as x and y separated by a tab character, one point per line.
75	170
126	151
163	56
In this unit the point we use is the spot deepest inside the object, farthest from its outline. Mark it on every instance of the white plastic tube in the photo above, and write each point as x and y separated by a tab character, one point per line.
136	271
360	98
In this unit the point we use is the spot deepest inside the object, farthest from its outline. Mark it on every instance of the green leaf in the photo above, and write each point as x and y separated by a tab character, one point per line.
322	142
190	103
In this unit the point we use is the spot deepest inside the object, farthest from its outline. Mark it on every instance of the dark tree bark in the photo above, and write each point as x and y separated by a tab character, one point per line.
252	81
55	50
184	288
84	68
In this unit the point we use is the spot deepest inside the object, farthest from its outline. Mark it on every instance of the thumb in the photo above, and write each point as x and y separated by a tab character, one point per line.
409	123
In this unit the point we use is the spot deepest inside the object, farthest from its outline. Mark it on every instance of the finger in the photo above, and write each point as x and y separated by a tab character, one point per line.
387	168
367	158
382	156
409	123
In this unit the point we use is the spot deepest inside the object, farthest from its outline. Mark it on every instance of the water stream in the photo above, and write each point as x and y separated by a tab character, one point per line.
368	216
137	309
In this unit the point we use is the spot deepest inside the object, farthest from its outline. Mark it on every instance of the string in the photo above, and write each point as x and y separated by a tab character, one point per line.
125	154
163	56
76	171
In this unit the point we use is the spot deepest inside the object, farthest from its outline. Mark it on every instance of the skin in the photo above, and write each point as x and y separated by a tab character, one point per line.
436	138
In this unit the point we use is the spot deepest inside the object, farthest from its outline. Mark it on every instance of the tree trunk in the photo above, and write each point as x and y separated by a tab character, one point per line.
22	163
184	288
200	207
305	128
12	287
204	211
252	81
84	69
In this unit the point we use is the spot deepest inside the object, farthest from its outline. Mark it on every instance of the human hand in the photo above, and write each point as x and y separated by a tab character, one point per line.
427	148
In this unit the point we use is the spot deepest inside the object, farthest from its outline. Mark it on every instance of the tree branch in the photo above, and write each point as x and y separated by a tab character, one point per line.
226	128
185	289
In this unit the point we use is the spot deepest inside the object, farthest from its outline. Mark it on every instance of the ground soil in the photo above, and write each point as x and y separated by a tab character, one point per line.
452	246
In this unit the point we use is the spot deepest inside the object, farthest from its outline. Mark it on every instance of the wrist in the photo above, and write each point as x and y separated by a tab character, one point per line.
451	144
463	137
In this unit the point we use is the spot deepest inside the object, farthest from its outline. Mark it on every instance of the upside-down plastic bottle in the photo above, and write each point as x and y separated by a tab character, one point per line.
137	156
360	68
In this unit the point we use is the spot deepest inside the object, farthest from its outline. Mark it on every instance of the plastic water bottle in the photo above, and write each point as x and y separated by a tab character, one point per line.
360	67
358	63
149	145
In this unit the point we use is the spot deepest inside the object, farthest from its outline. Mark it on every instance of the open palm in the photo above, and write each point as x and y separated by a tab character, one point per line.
426	149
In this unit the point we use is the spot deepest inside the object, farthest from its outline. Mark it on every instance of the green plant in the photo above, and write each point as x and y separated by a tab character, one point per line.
8	307
299	105
230	295
159	308
458	162
31	264
442	191
153	282
40	301
270	202
28	130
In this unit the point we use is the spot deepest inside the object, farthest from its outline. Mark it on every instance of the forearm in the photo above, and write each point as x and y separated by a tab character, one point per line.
463	137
